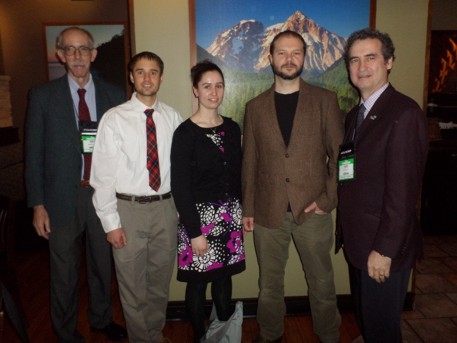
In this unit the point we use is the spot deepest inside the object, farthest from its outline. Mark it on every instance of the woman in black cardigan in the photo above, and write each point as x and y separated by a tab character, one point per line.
206	186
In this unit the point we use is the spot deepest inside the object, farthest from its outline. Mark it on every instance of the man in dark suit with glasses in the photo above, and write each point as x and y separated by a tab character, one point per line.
61	127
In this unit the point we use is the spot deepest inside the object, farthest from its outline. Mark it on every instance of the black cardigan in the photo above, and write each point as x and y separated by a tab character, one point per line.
200	172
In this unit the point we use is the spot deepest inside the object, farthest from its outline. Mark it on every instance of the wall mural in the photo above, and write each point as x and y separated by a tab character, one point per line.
237	34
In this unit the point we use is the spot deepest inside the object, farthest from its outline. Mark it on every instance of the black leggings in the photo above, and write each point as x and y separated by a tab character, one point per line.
221	292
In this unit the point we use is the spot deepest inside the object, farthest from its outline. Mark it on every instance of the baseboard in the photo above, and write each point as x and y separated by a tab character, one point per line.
295	306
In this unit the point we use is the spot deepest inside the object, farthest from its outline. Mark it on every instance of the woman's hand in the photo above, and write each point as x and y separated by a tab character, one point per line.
199	245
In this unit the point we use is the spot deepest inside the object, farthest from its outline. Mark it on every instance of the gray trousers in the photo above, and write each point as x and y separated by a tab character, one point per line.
313	240
65	243
145	265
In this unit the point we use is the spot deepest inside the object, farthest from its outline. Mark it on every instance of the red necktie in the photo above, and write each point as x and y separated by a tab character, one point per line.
152	161
84	115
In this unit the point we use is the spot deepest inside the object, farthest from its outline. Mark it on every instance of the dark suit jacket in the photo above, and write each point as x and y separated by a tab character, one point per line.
274	174
53	146
377	210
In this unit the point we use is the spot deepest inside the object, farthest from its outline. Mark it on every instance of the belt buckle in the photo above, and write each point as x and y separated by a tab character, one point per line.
143	200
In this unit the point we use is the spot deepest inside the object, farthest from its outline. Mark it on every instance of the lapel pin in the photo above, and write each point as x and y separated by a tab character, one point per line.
373	117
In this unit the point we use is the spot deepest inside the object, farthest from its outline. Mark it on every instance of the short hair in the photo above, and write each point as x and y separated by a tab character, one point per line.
287	33
59	39
387	48
197	71
146	55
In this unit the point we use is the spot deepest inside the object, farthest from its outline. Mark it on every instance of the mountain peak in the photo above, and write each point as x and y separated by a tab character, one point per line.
246	45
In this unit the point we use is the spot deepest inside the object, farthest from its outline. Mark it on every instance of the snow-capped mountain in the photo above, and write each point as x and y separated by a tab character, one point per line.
246	45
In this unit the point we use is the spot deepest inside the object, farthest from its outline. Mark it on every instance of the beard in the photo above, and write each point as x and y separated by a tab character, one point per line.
285	76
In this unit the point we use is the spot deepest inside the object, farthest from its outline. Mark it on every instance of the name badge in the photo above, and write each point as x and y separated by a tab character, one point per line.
88	130
346	162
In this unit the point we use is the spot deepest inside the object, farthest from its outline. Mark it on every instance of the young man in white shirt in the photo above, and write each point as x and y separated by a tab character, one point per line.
139	217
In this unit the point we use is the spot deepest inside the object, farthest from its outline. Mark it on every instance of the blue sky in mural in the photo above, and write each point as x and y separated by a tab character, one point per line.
340	17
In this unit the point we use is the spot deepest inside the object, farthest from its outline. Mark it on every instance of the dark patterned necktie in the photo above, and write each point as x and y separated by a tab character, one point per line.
152	161
84	115
360	118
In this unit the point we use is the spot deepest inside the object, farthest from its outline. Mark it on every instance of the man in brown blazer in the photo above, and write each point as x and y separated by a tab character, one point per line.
377	220
292	134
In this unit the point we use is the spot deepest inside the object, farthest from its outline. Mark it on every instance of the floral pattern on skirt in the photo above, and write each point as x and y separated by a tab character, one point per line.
222	227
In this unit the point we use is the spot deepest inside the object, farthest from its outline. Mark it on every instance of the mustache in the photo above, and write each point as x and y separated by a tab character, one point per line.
290	64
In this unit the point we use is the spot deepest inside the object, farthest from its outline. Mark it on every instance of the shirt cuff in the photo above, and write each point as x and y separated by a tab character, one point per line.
111	222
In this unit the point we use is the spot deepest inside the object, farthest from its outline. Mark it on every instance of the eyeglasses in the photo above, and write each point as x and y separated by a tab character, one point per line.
70	50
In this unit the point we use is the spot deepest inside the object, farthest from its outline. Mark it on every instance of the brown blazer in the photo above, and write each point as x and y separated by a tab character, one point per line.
377	210
274	175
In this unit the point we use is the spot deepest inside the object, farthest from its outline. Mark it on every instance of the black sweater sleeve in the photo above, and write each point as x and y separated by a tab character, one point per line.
182	169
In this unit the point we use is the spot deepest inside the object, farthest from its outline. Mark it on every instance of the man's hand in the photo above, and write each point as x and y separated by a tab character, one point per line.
41	221
199	245
248	224
378	266
117	238
315	208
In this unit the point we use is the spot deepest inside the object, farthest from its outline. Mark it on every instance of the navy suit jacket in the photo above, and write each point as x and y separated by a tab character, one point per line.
53	146
377	210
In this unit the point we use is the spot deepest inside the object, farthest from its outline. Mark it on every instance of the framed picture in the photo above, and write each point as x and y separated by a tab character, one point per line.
236	35
111	41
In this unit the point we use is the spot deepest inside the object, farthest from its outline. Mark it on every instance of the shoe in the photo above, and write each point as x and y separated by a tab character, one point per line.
260	339
113	331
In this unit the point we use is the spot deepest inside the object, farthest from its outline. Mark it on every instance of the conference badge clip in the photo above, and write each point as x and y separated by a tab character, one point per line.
346	162
88	131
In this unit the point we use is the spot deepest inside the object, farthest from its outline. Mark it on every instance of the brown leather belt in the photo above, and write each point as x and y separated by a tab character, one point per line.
145	199
84	184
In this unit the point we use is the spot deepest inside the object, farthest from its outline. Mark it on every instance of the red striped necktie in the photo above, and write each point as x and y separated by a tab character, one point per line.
152	161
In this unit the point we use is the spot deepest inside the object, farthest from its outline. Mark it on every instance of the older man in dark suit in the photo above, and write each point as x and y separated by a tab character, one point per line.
381	166
62	114
291	137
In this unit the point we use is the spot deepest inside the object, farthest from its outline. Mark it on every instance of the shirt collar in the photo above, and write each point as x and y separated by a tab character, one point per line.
141	106
373	97
89	86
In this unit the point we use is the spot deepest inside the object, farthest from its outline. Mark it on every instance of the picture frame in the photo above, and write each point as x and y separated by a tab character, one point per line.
111	41
236	35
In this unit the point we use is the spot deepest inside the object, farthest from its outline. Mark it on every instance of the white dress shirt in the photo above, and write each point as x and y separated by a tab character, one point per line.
369	103
119	157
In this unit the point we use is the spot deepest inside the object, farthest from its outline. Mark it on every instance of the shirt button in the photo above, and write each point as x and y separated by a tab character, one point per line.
287	179
287	155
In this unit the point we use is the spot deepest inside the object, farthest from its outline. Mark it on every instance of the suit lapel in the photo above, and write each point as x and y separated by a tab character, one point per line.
68	110
271	119
350	125
375	114
302	117
100	99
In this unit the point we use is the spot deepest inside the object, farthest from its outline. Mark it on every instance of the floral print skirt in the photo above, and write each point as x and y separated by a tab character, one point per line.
222	227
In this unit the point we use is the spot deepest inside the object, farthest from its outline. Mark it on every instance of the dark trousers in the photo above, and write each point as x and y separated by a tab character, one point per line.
379	305
65	244
221	292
